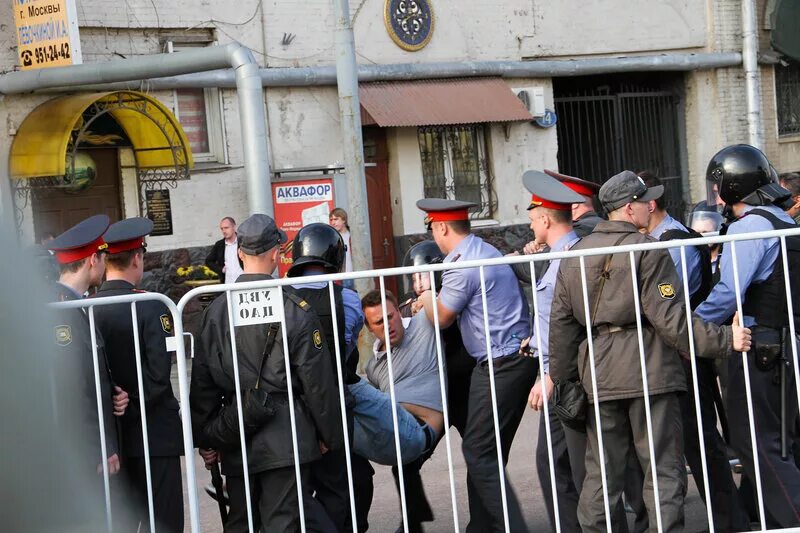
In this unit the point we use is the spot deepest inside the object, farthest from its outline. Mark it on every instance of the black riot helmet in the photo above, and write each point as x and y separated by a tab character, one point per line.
738	171
317	244
423	253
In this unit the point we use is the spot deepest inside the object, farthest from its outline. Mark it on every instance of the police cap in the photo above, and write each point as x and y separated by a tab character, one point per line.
443	210
81	240
582	187
258	234
548	192
127	234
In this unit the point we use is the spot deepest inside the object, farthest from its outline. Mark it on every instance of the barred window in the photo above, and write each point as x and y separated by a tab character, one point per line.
787	96
455	166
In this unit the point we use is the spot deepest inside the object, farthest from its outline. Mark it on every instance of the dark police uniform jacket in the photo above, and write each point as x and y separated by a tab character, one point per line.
73	341
317	411
154	326
617	352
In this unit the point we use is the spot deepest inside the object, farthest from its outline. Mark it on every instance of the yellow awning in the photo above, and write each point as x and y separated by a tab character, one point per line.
40	145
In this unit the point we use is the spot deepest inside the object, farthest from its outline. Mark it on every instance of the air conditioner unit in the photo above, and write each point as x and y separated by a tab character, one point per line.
533	98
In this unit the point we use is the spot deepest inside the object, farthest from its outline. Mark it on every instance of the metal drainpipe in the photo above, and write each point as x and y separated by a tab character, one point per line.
234	55
326	75
755	132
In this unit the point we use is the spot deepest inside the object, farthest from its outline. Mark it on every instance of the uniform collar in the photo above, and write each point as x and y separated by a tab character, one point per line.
116	284
66	290
615	226
252	277
459	249
663	226
563	242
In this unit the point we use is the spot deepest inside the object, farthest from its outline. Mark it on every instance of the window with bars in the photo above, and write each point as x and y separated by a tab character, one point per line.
787	97
455	166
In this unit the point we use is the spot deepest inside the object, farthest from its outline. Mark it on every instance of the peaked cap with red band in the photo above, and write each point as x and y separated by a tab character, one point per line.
81	240
548	192
127	234
584	187
442	210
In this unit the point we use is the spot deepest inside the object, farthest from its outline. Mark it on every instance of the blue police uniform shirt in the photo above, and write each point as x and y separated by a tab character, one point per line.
507	308
353	315
755	262
693	257
545	289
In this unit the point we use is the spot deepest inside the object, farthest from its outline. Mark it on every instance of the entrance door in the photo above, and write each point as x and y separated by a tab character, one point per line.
56	210
379	199
611	123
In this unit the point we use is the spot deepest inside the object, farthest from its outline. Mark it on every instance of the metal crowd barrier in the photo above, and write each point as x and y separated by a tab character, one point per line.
277	285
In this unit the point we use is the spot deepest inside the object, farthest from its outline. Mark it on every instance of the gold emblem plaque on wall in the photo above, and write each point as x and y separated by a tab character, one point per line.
409	23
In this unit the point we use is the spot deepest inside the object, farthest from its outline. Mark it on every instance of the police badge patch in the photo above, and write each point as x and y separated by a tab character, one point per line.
317	337
166	323
63	335
667	291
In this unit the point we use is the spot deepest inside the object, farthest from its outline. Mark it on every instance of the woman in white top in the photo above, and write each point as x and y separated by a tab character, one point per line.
338	219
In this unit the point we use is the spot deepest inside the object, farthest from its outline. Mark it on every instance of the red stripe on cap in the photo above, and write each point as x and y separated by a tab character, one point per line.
124	246
447	216
579	188
541	202
76	254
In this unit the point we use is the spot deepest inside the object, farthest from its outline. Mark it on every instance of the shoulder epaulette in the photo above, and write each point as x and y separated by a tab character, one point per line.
299	302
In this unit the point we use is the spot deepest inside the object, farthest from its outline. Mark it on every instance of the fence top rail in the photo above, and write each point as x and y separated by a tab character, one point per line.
111	300
506	260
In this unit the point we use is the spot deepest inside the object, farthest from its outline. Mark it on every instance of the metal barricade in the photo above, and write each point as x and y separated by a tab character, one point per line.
276	286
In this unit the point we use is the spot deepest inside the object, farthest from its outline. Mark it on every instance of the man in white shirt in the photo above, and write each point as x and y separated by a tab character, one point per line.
223	258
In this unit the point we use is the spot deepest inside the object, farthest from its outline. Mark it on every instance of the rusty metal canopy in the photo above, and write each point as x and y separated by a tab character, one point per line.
439	102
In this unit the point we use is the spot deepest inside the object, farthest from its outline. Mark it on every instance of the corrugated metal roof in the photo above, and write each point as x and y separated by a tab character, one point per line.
439	102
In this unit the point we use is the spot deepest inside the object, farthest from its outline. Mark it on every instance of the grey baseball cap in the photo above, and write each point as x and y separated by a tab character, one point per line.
624	188
258	233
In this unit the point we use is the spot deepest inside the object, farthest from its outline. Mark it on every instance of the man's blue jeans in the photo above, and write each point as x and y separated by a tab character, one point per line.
373	433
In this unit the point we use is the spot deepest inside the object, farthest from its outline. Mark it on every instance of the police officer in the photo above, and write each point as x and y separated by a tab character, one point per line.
124	270
584	214
319	249
268	428
79	252
740	175
728	514
460	297
616	348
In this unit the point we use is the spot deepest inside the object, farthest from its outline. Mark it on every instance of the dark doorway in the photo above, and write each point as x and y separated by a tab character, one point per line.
379	200
57	209
611	123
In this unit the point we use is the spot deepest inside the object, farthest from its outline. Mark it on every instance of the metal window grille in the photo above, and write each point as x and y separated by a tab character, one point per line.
787	97
455	166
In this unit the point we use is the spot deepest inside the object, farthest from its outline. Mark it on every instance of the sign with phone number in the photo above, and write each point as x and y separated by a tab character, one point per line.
47	33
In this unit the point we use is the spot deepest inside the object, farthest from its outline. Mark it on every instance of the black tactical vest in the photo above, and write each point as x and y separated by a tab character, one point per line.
766	301
706	276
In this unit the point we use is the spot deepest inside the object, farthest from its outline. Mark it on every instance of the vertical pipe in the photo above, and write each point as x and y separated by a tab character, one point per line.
238	394
493	391
292	415
646	389
255	135
546	413
752	74
100	421
345	431
590	346
388	345
352	142
696	390
443	388
749	393
142	408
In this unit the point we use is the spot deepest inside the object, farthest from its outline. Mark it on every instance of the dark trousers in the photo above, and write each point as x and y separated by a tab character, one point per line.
727	509
131	502
275	506
363	489
624	427
514	376
780	479
328	482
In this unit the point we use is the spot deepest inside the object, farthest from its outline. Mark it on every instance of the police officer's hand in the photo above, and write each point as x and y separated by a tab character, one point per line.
533	247
741	336
121	401
210	457
113	465
536	399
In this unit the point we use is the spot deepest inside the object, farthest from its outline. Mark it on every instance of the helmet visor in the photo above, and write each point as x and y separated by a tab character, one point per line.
704	221
712	193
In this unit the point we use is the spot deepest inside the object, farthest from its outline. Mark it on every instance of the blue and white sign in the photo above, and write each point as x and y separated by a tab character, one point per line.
548	120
